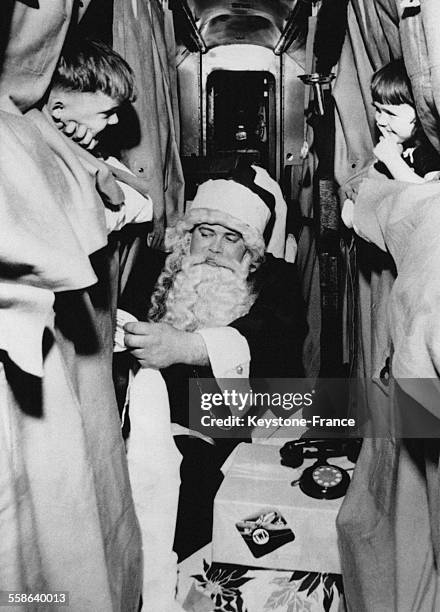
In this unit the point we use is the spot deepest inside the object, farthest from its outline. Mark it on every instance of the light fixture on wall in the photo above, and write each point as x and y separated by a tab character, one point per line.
317	80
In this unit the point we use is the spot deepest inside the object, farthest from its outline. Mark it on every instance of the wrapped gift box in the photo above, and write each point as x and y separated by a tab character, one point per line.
255	485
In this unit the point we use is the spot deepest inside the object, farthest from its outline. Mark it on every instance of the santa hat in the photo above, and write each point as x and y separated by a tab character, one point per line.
237	203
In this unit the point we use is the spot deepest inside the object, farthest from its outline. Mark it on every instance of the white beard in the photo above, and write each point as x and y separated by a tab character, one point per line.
204	295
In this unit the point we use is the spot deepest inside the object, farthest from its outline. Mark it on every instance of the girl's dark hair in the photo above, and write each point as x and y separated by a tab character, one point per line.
391	85
90	66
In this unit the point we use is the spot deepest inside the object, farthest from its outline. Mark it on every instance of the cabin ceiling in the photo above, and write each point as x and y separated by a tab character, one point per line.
225	22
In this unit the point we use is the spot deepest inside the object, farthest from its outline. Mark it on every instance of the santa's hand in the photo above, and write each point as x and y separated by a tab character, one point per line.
159	345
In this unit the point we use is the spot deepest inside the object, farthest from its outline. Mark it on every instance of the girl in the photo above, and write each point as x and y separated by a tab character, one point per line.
403	151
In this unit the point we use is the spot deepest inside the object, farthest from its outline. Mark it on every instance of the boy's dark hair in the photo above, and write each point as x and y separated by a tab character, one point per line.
391	85
89	66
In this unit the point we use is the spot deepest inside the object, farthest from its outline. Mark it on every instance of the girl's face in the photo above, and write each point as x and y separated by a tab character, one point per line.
396	119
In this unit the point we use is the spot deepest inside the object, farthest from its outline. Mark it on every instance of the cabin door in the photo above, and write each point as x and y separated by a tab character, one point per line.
241	116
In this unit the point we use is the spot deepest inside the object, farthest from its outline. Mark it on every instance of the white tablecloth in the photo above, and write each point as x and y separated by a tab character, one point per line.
256	481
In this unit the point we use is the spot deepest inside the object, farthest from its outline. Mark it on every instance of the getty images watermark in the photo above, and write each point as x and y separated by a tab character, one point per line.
336	408
241	402
232	408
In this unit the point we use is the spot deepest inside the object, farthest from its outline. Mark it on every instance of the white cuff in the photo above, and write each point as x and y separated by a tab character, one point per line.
228	352
135	209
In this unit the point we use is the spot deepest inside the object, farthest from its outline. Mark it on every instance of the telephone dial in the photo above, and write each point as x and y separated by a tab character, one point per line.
322	480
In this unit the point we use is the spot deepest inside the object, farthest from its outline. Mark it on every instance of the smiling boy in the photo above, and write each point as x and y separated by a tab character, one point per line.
89	86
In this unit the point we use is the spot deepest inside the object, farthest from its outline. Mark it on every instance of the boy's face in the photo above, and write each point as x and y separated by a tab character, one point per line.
94	110
396	119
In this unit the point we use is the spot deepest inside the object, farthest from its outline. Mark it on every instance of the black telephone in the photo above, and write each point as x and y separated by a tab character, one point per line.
322	480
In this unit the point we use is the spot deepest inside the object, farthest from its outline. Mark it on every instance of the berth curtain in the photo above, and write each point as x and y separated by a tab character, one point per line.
373	272
33	34
307	257
388	523
67	520
143	35
66	513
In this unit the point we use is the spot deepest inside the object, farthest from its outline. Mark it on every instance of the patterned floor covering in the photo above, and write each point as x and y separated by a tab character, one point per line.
213	587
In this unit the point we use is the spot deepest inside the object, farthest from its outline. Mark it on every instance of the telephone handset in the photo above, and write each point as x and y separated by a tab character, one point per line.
322	480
